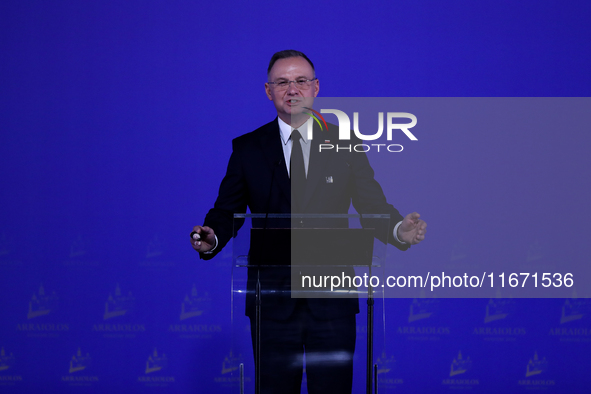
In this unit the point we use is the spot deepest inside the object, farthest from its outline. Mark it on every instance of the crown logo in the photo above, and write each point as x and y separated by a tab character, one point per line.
41	304
421	308
5	361
535	366
77	248
155	247
194	305
118	305
574	309
385	364
497	309
79	362
156	362
460	365
229	364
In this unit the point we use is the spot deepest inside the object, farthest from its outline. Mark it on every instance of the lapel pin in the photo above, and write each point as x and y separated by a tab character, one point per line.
328	179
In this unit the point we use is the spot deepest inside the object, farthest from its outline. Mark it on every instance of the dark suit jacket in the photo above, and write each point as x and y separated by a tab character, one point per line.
257	178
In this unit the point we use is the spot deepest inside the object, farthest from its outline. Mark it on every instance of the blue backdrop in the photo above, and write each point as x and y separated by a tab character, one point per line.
116	124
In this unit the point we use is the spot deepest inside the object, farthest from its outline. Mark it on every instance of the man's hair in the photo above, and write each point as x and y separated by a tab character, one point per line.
287	54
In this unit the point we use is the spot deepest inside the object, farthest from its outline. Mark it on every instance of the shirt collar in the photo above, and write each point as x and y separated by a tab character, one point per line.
285	131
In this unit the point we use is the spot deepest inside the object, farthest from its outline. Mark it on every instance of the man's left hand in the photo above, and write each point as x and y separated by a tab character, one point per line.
412	230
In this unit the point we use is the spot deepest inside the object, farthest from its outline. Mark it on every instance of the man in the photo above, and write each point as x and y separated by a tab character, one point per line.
258	177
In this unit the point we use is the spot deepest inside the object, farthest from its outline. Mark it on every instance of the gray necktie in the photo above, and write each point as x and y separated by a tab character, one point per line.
297	171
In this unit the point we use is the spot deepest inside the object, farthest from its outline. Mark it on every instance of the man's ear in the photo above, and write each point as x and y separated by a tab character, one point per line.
316	87
268	91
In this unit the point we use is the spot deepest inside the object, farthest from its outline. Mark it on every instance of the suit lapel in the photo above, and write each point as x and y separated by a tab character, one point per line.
273	152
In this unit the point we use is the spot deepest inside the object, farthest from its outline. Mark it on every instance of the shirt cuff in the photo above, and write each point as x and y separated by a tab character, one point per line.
396	233
210	251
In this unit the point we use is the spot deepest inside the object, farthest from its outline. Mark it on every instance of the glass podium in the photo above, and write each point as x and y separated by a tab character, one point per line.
311	272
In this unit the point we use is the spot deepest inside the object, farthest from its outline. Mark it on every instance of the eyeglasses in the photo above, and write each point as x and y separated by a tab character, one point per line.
301	83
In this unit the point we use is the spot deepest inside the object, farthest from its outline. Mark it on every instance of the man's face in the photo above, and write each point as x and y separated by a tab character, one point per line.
291	101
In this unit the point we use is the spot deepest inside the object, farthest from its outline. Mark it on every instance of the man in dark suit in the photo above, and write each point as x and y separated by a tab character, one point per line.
277	169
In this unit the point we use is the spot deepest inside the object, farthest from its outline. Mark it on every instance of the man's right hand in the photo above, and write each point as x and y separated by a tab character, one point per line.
206	239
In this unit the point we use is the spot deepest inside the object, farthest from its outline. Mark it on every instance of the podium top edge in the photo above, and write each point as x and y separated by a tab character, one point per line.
309	216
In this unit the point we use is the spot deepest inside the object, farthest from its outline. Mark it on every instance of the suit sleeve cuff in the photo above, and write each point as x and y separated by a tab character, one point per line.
396	233
210	251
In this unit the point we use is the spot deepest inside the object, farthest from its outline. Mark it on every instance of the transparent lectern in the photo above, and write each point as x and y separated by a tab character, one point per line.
328	263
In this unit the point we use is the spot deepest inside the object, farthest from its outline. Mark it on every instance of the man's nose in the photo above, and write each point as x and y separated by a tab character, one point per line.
291	88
